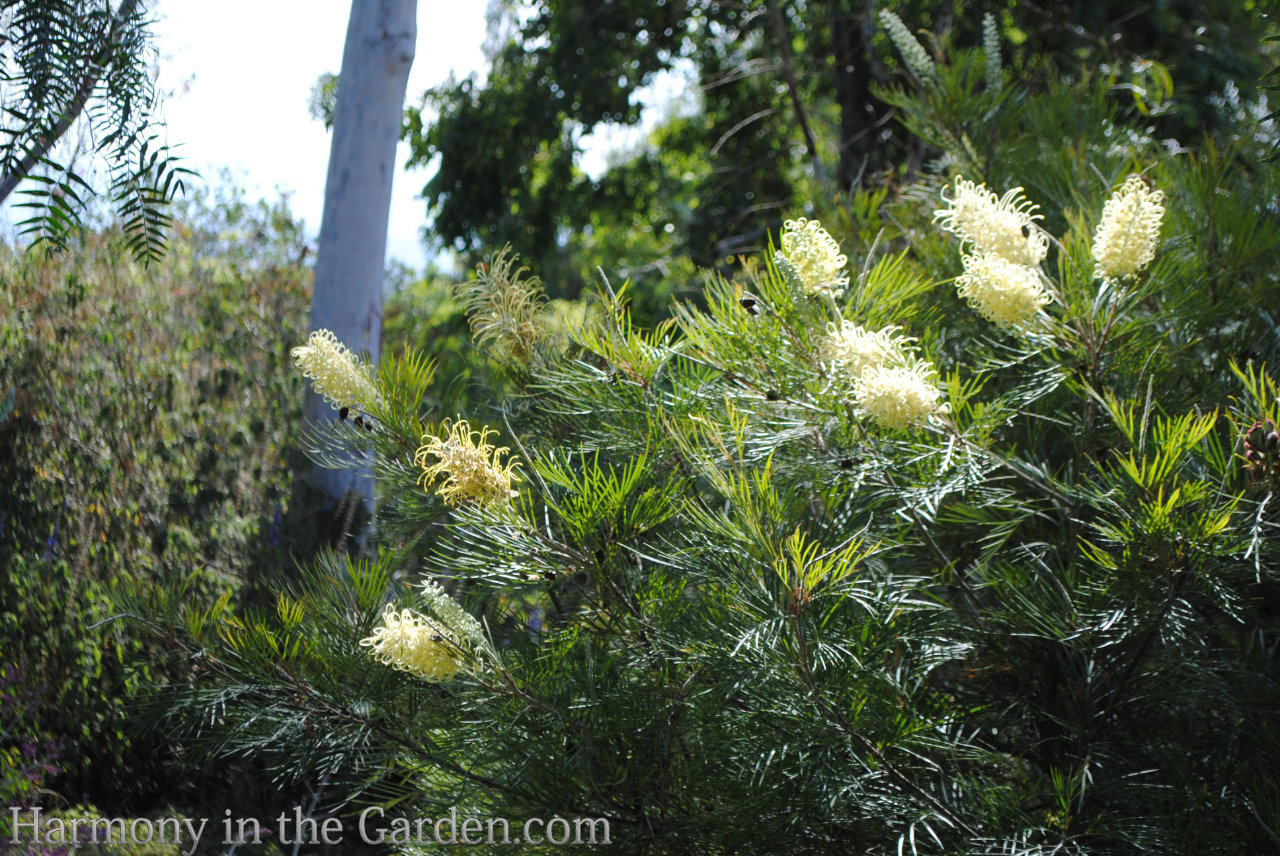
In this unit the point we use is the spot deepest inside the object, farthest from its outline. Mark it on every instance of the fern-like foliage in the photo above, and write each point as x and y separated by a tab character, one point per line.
67	62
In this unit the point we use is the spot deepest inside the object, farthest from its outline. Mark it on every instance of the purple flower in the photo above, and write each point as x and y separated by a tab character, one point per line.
273	534
50	545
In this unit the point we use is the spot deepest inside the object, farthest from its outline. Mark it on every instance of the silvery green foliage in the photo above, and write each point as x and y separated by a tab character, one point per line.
732	605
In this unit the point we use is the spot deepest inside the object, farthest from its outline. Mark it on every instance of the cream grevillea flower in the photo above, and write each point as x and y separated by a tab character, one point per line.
1000	225
898	397
1001	291
1125	241
913	53
813	256
335	372
416	644
855	348
471	468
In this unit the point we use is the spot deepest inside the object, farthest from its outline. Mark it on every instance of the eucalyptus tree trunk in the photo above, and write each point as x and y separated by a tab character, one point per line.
350	259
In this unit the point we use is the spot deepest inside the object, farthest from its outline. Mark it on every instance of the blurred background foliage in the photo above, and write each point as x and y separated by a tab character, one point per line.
149	419
88	67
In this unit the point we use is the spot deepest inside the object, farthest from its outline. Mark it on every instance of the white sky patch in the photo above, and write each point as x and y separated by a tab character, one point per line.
669	93
238	76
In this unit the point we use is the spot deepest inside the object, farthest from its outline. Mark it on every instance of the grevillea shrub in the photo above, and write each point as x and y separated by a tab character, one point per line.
945	525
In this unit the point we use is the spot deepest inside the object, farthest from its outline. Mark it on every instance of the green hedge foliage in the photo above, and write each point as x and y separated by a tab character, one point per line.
147	416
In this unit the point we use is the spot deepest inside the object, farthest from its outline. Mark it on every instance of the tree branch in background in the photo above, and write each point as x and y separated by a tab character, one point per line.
793	90
852	40
44	142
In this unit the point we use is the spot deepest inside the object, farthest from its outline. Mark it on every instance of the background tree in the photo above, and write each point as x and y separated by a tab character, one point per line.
789	102
573	69
64	59
351	254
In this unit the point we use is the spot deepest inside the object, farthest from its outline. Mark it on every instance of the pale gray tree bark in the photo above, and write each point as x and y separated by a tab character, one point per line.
381	35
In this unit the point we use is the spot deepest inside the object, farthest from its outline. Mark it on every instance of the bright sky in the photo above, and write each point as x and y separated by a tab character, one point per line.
241	72
237	76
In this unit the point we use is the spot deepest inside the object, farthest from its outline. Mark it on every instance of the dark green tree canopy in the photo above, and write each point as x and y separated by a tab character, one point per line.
791	106
572	67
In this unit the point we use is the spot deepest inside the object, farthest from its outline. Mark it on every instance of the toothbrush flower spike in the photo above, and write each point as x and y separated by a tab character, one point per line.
1000	225
810	254
1126	238
1000	290
335	372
